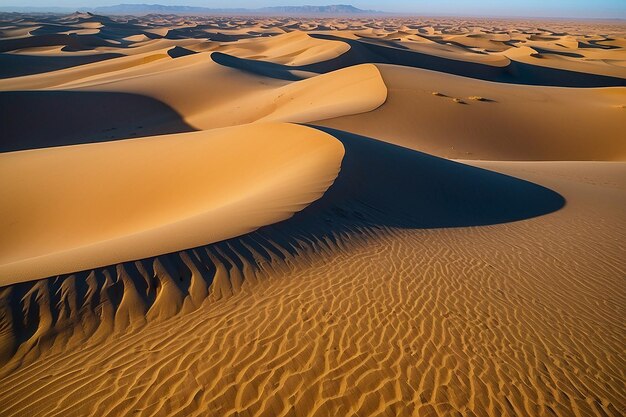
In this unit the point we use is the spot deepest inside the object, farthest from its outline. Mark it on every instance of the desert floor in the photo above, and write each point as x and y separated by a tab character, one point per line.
221	216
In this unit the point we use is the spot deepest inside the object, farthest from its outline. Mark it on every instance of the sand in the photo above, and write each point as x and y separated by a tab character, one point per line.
275	216
457	117
98	204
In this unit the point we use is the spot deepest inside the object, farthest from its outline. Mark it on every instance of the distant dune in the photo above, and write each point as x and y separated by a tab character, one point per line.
341	216
144	9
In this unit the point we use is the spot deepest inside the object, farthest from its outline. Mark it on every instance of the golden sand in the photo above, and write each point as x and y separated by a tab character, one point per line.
312	217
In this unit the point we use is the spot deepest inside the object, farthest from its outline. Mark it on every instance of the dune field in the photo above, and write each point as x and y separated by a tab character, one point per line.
255	216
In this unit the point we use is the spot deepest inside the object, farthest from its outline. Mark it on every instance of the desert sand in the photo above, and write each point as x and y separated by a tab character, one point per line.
243	216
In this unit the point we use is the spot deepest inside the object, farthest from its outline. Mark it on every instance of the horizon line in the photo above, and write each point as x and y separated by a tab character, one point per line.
246	11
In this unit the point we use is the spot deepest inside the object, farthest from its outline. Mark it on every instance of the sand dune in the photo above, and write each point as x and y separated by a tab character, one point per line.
180	104
173	244
380	186
471	119
14	65
310	331
292	48
130	199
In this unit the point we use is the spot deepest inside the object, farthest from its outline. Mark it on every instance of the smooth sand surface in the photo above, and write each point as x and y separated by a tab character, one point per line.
243	216
84	206
456	117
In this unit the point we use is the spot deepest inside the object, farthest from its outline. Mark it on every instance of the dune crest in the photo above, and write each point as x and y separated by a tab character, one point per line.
457	117
125	200
180	103
292	48
357	89
381	189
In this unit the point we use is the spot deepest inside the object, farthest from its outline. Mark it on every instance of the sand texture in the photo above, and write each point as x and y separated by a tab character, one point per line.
218	216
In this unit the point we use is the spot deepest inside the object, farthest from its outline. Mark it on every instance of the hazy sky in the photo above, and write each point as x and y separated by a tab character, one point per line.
547	8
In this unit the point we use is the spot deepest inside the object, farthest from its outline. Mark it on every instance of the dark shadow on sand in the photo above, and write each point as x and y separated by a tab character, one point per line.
41	119
178	51
514	73
70	43
263	68
17	65
383	186
362	52
399	187
380	186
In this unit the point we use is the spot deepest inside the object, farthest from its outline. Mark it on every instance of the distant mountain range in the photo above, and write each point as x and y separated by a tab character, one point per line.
143	9
337	9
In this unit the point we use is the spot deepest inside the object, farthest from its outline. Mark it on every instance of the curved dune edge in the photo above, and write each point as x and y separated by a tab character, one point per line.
80	207
291	48
235	96
353	90
463	118
381	189
240	96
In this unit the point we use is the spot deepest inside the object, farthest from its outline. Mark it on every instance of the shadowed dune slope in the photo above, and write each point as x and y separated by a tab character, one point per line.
75	117
84	206
174	101
15	65
69	42
178	51
380	186
399	187
262	68
515	72
235	96
292	48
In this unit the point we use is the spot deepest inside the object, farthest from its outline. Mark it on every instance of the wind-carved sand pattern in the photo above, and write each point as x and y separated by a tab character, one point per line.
300	217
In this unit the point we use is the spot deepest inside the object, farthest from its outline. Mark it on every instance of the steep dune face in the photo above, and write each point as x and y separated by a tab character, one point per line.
78	207
66	117
381	189
193	93
357	89
293	48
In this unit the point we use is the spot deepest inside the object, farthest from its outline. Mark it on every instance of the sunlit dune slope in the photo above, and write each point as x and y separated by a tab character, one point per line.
200	94
459	117
78	207
352	90
381	188
293	48
479	320
236	96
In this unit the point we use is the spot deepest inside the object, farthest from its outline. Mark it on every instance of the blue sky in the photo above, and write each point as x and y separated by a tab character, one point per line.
544	8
